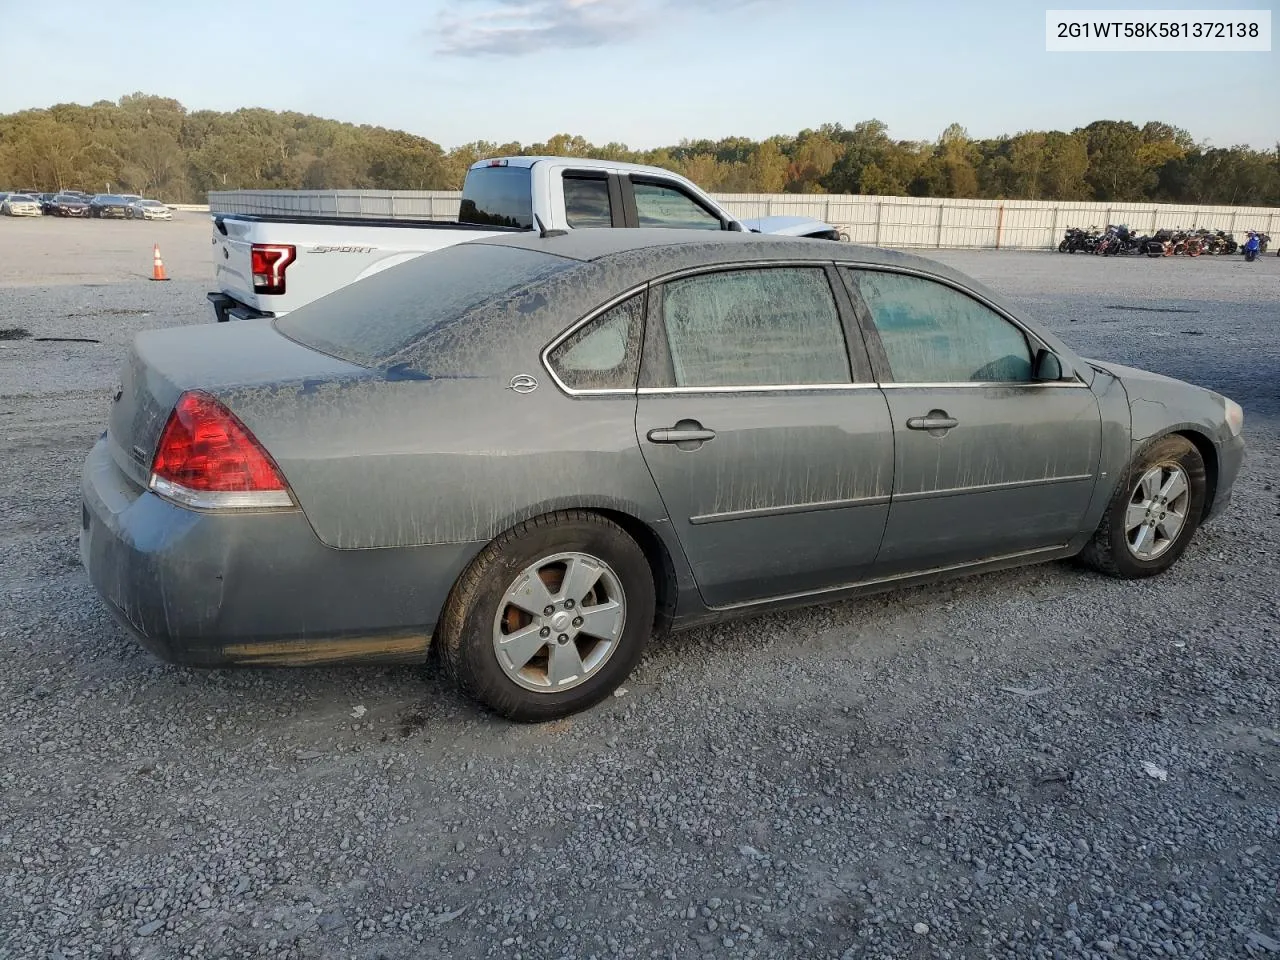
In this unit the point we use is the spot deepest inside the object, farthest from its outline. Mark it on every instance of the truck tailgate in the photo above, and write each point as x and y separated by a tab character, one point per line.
327	253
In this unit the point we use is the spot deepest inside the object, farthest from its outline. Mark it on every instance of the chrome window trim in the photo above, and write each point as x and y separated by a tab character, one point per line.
761	388
1073	383
545	356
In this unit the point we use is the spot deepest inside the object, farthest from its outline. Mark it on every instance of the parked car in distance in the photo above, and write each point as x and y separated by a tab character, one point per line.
534	452
108	205
20	205
148	210
47	202
70	205
269	265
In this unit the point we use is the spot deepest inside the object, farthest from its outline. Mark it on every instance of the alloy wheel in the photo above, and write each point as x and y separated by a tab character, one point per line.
559	622
1157	510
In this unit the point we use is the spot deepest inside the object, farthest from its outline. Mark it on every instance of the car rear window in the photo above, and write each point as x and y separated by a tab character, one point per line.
497	197
372	320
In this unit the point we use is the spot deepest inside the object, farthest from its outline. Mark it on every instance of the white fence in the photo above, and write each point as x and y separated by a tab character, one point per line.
875	221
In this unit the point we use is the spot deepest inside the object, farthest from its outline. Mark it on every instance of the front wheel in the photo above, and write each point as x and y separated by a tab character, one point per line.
1062	247
1154	513
550	617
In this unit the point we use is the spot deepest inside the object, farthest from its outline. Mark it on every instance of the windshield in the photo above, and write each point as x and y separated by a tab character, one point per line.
371	321
497	197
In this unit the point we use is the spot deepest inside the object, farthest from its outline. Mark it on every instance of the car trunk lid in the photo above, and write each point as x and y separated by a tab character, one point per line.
162	364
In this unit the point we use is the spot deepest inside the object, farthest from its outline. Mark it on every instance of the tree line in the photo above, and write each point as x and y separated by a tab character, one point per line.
156	147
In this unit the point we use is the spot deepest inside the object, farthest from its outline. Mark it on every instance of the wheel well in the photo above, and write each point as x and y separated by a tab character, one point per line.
1208	453
655	551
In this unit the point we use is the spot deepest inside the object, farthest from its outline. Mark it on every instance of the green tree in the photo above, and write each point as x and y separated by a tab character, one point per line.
1116	171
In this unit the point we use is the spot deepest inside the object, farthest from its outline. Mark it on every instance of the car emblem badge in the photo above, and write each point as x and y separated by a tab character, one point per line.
523	383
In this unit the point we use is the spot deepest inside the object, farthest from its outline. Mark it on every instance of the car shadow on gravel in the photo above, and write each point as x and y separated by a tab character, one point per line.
404	701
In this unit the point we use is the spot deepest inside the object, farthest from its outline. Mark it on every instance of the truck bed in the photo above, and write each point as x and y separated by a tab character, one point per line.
319	254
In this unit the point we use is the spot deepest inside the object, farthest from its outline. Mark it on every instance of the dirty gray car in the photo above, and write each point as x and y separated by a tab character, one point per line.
537	451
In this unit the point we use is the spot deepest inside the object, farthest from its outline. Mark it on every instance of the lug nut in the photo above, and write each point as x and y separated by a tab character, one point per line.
577	621
544	632
563	638
548	611
568	604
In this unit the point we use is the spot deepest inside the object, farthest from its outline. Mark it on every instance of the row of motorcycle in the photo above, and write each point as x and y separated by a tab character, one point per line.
1118	240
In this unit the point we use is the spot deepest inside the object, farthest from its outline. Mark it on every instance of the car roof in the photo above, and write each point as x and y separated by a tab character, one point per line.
649	252
582	163
695	246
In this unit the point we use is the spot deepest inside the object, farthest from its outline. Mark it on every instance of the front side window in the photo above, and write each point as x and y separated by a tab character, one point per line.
933	333
586	202
775	326
659	206
604	354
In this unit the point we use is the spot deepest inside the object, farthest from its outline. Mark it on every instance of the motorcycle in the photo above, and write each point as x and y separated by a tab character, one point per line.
1251	247
1078	240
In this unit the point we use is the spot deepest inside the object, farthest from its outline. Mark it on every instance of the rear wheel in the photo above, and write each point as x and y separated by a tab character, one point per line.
1153	514
550	617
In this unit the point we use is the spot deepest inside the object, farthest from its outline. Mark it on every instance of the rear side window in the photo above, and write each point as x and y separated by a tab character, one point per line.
497	197
762	327
586	202
659	206
605	353
370	321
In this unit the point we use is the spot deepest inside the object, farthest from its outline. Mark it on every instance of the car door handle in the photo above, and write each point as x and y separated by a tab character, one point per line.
680	435
936	420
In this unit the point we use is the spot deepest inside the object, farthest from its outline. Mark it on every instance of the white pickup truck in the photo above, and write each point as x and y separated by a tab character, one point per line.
267	265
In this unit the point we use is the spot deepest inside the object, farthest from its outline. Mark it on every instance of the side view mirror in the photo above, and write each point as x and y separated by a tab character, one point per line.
734	226
1047	367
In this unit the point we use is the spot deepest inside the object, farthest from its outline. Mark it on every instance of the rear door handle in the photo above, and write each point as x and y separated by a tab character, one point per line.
933	420
680	435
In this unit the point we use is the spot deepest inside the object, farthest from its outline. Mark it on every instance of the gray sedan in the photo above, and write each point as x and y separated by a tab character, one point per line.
537	451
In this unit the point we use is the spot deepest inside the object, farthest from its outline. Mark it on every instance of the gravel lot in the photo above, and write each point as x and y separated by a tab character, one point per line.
949	772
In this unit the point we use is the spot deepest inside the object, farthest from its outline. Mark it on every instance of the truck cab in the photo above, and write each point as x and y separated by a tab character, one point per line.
273	260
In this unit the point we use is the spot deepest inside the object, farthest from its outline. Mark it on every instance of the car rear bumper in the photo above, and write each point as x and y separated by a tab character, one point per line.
210	589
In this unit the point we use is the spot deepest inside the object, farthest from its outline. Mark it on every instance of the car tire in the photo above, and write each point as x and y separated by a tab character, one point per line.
1120	548
480	617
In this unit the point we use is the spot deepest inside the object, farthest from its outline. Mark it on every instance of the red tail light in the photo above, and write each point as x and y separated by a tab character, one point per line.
208	458
269	264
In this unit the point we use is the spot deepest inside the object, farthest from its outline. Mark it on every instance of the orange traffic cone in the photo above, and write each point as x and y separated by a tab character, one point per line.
157	268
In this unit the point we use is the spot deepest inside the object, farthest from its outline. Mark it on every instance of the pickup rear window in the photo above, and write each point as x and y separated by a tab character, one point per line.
497	197
371	321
